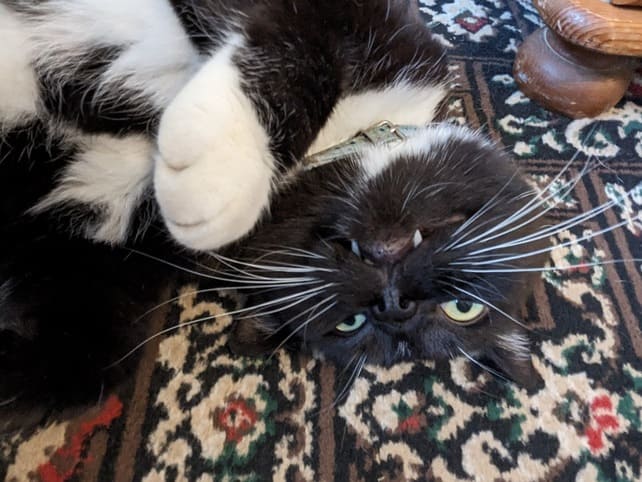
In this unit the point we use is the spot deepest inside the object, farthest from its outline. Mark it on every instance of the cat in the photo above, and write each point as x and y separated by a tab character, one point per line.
177	130
389	254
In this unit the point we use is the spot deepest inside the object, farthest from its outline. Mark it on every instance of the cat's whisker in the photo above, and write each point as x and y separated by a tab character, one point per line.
302	314
267	253
353	377
9	401
549	230
454	244
213	317
239	270
435	188
312	254
355	360
537	202
481	211
211	290
487	303
548	249
343	200
483	366
281	308
552	268
282	266
302	326
409	196
289	280
288	268
491	288
248	277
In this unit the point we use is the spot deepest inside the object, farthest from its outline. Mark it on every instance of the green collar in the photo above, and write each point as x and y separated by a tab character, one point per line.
384	133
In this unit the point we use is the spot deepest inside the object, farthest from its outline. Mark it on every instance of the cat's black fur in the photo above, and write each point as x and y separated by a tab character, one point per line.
69	295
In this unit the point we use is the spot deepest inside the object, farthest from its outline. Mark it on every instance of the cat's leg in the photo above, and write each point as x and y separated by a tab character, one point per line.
215	166
102	67
18	85
247	116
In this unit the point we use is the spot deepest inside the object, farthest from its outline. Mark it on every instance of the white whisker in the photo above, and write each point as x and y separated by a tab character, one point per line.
273	252
526	209
353	376
303	325
281	308
219	278
483	366
550	230
288	268
552	268
548	249
303	313
211	290
490	287
302	251
480	212
213	317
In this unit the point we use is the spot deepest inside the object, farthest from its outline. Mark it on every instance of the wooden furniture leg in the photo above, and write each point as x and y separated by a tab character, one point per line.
566	78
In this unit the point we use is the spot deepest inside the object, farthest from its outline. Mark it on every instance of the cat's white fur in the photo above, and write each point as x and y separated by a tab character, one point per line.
18	88
374	160
110	173
400	103
156	59
517	343
214	169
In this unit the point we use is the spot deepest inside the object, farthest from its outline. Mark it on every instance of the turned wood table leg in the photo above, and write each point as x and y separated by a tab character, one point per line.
566	78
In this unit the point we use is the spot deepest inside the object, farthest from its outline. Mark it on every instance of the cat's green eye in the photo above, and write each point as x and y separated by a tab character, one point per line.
352	324
463	312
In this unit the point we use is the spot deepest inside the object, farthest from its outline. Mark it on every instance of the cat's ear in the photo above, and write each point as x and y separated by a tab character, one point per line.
251	337
512	356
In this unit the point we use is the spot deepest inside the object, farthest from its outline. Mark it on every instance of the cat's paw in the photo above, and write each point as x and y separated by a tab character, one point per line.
214	168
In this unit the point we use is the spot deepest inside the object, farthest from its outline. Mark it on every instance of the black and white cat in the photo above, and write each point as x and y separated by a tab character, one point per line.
121	122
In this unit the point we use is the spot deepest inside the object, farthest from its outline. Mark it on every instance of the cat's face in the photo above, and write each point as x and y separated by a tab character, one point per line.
370	259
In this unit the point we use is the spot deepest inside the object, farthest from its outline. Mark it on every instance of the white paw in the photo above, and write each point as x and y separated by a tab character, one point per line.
214	167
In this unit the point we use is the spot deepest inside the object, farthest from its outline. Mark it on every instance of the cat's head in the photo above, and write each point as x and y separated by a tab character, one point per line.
398	253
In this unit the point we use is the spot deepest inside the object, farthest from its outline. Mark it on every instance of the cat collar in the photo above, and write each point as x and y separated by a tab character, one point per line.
384	133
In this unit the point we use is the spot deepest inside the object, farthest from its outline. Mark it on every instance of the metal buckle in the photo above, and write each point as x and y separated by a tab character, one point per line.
381	133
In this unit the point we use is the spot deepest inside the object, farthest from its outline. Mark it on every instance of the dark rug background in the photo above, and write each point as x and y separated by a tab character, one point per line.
194	413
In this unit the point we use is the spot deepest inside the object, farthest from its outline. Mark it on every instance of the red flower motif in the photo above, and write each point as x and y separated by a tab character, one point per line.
470	22
66	460
603	421
412	424
237	419
583	266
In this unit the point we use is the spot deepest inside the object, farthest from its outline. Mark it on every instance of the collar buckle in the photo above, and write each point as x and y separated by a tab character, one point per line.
383	133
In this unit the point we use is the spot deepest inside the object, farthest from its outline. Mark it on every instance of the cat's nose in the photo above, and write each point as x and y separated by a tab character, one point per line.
393	306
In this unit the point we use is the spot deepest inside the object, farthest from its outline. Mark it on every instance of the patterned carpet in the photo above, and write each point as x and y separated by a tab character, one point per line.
195	413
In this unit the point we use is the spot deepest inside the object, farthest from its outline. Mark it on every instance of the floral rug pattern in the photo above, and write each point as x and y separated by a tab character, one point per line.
196	413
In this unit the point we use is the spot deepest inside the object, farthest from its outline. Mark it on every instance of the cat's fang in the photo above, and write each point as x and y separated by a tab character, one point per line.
417	239
355	248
